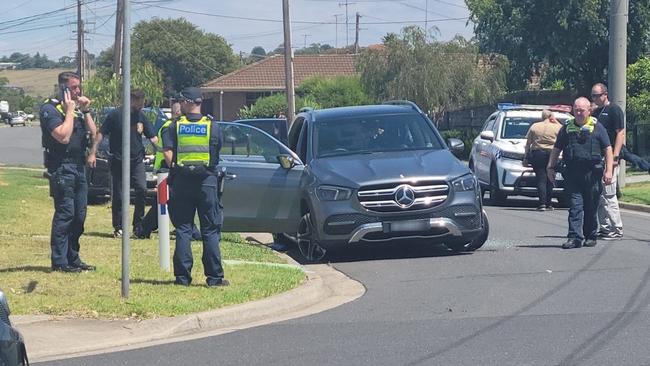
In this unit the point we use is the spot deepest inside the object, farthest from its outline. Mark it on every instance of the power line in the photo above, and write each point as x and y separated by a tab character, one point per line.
295	21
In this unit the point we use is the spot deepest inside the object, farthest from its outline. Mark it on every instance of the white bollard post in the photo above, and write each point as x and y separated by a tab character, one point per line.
163	221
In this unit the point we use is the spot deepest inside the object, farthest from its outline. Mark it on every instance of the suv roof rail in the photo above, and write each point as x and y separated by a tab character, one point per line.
305	109
404	103
534	107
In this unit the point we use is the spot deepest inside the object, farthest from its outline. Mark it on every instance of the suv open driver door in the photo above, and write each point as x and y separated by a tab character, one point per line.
262	182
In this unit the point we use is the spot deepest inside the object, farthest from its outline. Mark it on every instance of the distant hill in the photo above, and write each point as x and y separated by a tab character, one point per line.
35	82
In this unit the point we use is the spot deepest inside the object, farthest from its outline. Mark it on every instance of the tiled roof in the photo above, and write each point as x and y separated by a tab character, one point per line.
268	74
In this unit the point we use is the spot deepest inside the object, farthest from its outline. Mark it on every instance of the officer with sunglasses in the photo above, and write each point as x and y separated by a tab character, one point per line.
587	155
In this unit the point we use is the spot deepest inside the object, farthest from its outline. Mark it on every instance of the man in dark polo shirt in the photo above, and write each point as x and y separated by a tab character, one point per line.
112	127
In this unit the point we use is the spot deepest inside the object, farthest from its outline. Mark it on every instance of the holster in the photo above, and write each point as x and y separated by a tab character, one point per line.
221	181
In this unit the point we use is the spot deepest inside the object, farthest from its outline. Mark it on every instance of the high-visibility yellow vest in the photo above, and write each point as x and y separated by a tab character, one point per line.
159	151
193	142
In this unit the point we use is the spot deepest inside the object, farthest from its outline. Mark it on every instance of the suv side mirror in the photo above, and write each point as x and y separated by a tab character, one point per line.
456	146
487	135
286	161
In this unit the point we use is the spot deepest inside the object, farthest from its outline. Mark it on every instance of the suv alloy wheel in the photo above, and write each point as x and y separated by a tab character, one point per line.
307	242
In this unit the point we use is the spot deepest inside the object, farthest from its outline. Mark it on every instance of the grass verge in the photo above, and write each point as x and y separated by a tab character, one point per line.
636	193
25	217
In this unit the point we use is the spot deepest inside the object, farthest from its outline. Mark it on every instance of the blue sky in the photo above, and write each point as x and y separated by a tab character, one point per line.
56	35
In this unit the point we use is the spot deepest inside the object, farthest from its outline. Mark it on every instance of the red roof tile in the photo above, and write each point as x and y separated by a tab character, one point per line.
268	74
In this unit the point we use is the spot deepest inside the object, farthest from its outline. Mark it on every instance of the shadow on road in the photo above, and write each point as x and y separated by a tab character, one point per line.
385	251
540	246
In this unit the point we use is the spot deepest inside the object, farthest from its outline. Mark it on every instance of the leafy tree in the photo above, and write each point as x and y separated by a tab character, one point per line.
274	106
437	76
334	92
183	52
638	90
570	36
258	51
107	92
314	49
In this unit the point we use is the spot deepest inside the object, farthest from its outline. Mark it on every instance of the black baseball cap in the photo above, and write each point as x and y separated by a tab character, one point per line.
192	94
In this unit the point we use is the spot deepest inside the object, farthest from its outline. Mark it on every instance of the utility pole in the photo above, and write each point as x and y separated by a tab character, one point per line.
126	146
288	63
347	25
117	47
81	65
618	17
426	17
336	21
306	35
356	37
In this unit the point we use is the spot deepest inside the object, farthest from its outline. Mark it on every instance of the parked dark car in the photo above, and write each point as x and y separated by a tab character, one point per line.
99	178
12	346
365	174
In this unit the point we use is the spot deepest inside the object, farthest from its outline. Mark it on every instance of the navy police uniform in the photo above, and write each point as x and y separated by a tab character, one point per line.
196	141
583	149
65	164
112	127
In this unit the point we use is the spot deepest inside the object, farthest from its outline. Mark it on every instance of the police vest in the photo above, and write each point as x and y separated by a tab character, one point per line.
582	146
74	151
193	142
160	157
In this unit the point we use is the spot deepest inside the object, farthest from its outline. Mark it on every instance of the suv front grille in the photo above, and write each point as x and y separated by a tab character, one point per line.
399	197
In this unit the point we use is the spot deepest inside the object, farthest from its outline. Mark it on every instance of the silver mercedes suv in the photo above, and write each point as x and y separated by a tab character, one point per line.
355	174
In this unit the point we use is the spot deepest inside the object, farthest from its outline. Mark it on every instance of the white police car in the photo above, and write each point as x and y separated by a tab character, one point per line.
497	153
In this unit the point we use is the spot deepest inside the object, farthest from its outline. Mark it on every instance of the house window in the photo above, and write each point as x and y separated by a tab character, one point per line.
251	98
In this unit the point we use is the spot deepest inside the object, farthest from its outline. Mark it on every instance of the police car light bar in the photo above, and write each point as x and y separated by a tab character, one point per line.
534	107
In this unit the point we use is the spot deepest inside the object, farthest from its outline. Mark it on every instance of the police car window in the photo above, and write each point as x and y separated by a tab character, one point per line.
489	124
517	127
243	143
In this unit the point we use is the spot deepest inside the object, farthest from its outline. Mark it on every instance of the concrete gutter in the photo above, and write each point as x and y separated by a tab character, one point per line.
52	338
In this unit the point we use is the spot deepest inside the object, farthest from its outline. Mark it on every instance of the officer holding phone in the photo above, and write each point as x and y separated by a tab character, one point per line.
66	126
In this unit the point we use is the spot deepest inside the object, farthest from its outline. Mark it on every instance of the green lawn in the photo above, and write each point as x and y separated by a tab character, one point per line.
25	217
637	193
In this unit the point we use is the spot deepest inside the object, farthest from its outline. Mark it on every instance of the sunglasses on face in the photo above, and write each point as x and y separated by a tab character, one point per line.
597	95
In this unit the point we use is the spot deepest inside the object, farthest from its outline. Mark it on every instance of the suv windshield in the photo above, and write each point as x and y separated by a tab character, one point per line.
379	133
517	127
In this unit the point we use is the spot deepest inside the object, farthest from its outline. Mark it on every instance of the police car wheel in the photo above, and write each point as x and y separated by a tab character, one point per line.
496	195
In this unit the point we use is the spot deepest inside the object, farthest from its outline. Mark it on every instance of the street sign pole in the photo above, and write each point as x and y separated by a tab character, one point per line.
163	221
126	146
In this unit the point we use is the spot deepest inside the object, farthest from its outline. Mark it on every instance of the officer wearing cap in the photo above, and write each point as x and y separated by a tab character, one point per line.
583	143
66	124
191	148
150	220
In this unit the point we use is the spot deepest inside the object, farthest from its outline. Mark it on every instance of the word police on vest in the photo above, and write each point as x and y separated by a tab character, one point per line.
192	129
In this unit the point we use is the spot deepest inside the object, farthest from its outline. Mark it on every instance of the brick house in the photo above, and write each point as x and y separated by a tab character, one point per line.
244	86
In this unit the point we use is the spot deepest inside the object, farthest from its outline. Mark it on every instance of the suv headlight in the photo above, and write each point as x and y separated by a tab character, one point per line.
332	193
464	183
511	155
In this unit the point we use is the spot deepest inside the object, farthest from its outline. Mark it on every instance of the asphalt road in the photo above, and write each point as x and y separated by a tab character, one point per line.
520	300
21	145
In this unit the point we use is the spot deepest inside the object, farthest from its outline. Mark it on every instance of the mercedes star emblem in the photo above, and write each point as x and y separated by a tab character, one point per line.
405	196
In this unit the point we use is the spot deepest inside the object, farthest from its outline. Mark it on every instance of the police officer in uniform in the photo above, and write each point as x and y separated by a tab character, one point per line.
583	143
191	148
66	125
150	220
